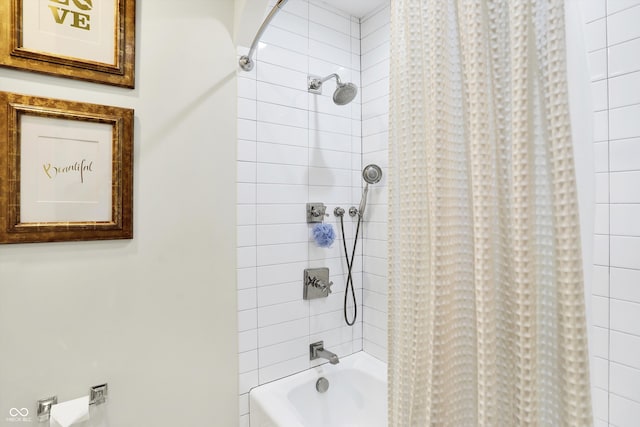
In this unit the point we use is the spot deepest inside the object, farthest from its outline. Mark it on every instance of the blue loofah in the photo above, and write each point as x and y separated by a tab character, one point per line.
324	235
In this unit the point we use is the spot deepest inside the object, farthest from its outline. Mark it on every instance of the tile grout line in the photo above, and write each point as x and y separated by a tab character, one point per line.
308	337
606	34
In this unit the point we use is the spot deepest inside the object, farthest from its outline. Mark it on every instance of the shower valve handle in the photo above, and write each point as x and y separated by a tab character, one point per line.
319	284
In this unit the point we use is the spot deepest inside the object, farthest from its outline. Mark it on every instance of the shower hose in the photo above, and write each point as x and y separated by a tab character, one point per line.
349	267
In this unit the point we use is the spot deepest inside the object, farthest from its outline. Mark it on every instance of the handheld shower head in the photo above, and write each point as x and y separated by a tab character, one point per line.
344	93
372	174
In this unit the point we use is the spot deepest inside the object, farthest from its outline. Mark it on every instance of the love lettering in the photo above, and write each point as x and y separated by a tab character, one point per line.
78	167
71	12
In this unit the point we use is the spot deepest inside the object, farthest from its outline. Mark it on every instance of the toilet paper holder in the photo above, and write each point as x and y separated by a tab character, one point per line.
44	407
97	396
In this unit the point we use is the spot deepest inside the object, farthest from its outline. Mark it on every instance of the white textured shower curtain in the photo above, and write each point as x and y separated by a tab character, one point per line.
486	307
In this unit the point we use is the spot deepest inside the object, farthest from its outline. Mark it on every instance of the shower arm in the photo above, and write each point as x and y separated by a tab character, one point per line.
316	83
245	61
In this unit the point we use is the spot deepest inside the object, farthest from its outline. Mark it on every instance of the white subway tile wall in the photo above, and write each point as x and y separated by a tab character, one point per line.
613	40
375	30
299	148
295	147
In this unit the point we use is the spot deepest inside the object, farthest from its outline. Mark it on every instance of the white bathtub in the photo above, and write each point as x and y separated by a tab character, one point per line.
357	396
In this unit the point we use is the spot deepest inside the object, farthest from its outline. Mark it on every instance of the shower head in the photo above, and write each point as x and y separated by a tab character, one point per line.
344	93
372	174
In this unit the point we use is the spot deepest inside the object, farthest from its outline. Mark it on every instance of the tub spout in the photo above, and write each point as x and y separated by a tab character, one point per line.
317	351
331	357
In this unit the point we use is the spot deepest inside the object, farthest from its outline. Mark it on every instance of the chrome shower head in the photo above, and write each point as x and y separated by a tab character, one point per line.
344	93
372	174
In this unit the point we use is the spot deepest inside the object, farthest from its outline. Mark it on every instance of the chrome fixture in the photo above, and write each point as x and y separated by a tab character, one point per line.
316	283
372	174
322	385
344	93
43	411
317	351
339	212
315	212
245	61
98	394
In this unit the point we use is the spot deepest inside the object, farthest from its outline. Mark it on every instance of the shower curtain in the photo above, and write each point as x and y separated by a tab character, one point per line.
486	306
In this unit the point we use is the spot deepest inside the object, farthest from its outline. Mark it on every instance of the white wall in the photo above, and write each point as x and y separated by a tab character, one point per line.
613	43
375	29
294	148
153	316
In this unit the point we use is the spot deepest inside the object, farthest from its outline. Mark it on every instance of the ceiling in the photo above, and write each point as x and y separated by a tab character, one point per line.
357	8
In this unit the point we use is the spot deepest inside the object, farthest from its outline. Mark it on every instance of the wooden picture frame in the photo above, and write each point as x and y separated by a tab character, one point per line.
66	170
91	40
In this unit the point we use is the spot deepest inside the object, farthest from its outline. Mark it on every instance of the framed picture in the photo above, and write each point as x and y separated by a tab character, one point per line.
90	40
66	170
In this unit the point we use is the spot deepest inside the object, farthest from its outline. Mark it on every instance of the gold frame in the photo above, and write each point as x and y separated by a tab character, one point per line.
12	230
13	55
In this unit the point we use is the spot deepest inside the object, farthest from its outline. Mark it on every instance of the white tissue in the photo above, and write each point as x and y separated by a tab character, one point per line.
69	413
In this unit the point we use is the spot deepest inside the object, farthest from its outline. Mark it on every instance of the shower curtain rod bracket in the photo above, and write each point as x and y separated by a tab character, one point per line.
245	61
